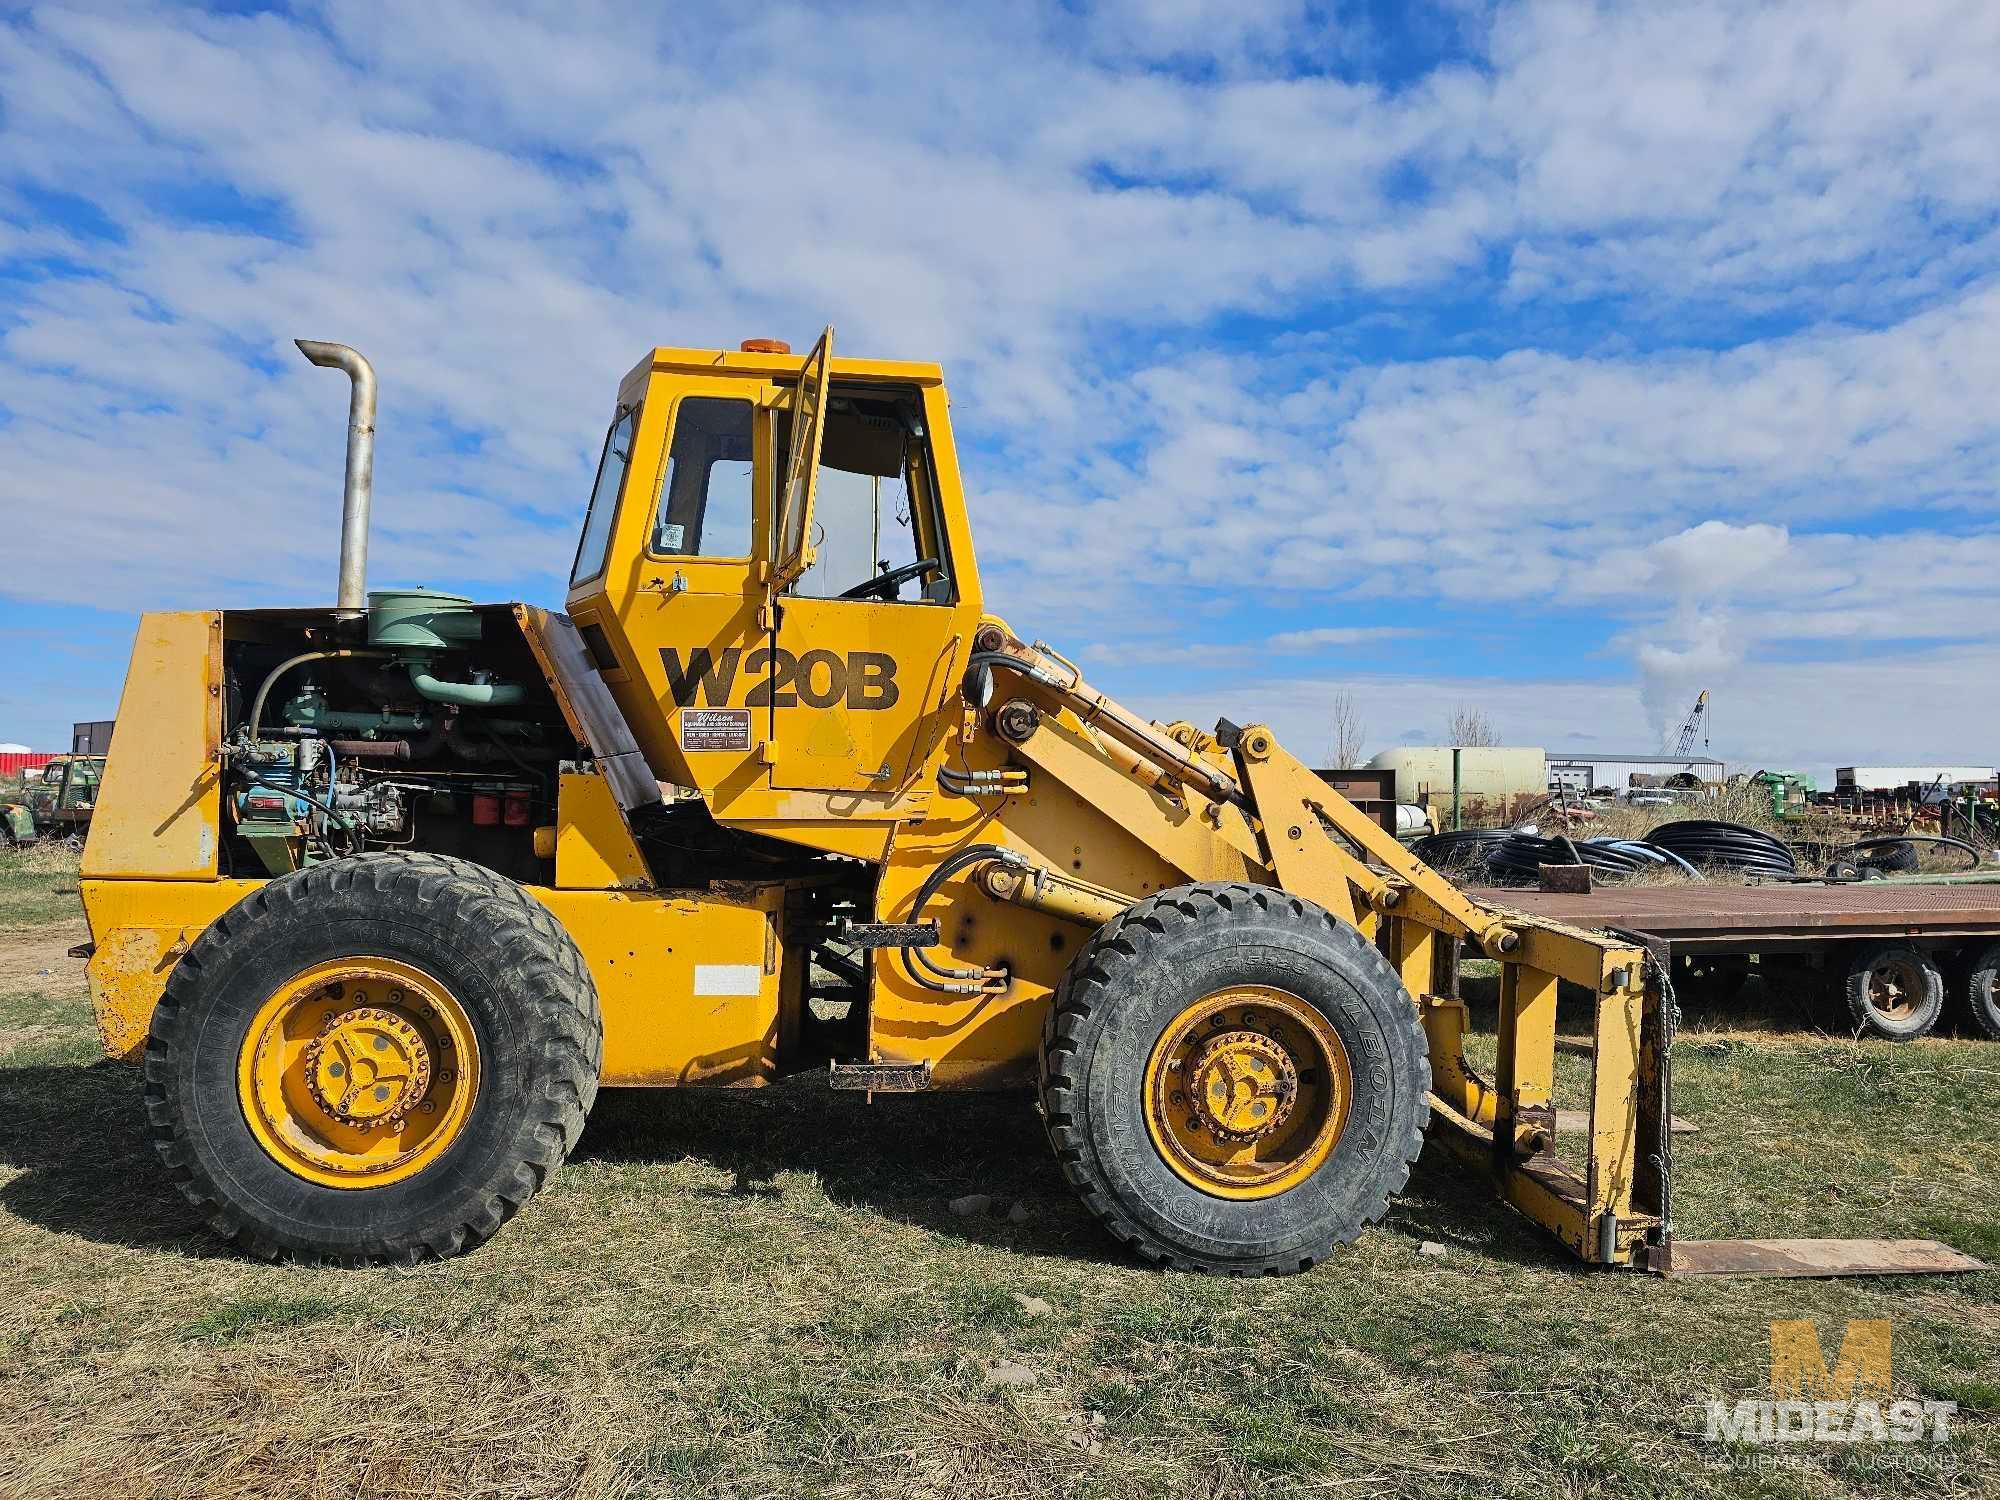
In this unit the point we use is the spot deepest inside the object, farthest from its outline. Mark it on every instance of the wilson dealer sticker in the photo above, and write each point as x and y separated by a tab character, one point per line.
715	729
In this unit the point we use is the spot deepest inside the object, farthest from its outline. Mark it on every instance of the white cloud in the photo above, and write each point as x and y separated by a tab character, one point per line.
1338	635
1715	557
503	205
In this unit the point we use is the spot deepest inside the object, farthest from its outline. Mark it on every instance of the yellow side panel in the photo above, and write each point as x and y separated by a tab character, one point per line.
594	848
688	985
159	808
141	928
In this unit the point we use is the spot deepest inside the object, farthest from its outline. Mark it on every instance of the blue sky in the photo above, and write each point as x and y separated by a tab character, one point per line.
1556	360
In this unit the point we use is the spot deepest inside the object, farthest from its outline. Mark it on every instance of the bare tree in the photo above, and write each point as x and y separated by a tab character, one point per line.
1469	727
1346	733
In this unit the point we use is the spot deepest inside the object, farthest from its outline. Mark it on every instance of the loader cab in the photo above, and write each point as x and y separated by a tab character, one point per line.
775	575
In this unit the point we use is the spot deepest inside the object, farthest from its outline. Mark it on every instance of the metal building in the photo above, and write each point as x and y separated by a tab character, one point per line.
1611	772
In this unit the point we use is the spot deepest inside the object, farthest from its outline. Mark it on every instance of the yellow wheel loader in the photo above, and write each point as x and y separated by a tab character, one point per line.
381	895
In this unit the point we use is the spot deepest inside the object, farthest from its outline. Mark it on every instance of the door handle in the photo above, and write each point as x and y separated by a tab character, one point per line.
676	585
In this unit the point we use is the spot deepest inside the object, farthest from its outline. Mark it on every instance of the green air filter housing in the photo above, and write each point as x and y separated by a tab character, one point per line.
421	620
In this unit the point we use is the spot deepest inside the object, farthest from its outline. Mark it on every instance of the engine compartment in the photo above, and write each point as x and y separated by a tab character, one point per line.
431	727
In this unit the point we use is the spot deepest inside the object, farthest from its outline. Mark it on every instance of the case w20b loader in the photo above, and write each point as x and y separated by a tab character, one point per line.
382	894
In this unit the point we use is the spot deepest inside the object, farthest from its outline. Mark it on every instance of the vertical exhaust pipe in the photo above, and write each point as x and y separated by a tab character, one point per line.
352	601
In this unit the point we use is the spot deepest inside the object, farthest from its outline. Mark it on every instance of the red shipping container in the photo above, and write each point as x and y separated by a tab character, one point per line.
14	762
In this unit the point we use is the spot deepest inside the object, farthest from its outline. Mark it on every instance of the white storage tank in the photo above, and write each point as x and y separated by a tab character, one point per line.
1496	782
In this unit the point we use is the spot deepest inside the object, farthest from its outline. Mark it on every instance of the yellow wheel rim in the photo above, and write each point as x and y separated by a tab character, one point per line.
359	1072
1247	1092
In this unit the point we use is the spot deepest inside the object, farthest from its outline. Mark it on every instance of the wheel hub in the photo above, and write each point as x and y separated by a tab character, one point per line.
368	1068
1893	990
1247	1091
359	1071
1242	1085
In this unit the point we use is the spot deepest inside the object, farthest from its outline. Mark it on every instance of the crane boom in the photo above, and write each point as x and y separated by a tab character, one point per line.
1696	723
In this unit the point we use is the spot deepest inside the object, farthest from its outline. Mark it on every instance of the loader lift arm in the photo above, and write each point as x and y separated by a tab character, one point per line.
1304	838
1612	1208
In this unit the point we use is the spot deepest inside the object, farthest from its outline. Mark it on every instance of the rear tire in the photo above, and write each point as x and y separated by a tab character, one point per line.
530	1043
1982	991
1894	991
1337	1019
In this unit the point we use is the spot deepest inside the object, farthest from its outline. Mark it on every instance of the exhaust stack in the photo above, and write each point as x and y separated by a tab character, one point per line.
352	600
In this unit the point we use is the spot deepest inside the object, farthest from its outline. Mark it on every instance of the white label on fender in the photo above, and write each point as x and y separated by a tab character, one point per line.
727	979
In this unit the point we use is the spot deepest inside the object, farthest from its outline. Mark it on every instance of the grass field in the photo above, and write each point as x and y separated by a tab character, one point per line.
768	1294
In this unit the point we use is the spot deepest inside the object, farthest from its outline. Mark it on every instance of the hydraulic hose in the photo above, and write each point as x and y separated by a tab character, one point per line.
1099	712
913	956
264	688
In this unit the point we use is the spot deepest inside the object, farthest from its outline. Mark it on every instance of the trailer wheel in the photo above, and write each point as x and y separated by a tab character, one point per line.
1894	991
376	1059
1233	1080
1982	991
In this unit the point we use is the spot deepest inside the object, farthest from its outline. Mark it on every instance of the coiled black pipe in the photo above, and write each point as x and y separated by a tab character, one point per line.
1458	849
1710	844
1518	859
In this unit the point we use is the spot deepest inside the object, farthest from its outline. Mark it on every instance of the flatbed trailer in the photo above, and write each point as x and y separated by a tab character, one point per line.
1899	953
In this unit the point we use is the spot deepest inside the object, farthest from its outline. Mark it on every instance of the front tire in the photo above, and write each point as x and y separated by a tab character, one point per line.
380	1058
1234	1081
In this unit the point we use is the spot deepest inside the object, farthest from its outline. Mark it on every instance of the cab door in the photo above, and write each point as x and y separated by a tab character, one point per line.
871	620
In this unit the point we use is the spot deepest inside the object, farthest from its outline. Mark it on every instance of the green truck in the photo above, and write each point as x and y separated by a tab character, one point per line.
54	801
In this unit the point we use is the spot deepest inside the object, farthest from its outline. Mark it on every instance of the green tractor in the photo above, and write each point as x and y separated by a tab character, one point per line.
1791	793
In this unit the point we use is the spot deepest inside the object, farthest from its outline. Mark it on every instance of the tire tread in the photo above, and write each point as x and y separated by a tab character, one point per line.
1110	960
525	938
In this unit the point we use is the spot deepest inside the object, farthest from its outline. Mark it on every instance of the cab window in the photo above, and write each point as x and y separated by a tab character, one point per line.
877	529
611	466
705	491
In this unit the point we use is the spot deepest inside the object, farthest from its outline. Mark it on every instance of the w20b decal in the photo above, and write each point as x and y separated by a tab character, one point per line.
818	679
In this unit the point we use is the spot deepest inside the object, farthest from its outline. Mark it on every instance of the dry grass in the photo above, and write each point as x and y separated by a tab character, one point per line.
766	1294
1743	804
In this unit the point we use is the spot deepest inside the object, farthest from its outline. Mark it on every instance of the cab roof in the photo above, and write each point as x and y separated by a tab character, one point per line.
779	366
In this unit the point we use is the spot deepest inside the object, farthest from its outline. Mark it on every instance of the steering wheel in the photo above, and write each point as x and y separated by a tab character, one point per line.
888	585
